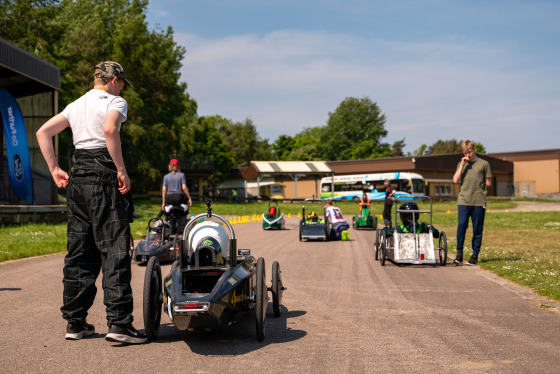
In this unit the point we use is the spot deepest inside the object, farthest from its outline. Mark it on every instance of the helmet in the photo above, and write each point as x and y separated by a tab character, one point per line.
409	205
209	234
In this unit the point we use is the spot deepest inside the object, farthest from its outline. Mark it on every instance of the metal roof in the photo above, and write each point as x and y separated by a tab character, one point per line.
286	167
23	74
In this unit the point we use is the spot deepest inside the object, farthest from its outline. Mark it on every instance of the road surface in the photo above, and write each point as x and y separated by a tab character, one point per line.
343	313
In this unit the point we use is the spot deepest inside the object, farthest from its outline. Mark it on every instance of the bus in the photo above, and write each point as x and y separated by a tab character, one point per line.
352	187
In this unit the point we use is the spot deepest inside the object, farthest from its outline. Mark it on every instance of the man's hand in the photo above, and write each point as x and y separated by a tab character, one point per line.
60	177
124	182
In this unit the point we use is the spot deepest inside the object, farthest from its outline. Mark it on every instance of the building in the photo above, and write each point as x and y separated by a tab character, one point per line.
535	173
35	84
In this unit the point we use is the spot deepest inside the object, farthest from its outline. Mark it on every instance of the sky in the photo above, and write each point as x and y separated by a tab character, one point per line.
484	70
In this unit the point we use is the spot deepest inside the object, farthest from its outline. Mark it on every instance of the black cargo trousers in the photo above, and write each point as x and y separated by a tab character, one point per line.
98	239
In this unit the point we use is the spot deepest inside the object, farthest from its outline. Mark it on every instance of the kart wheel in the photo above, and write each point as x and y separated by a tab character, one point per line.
176	248
152	298
442	248
277	289
300	229
376	245
131	247
382	249
261	299
354	222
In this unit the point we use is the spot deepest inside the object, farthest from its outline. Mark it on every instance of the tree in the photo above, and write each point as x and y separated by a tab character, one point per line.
445	146
76	34
282	147
244	142
397	148
354	131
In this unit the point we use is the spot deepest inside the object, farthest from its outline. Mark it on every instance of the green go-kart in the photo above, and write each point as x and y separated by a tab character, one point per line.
364	220
273	219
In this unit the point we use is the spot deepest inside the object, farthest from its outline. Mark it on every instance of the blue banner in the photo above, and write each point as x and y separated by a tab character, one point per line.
16	146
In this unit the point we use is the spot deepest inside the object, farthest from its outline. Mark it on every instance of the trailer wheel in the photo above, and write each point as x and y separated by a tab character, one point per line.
382	249
153	298
277	289
443	248
376	245
261	299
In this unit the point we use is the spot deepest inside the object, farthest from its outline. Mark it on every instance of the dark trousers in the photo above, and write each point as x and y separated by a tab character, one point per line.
387	215
337	229
177	217
476	213
98	239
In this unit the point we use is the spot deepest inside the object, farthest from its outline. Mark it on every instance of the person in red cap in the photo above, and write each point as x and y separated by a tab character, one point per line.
173	193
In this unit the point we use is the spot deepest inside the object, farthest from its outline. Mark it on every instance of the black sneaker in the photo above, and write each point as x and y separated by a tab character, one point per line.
125	334
472	261
458	260
76	331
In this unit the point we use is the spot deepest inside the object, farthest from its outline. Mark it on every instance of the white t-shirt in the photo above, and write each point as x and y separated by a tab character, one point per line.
87	114
335	214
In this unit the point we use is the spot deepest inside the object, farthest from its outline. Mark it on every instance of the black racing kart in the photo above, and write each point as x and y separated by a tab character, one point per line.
212	284
158	243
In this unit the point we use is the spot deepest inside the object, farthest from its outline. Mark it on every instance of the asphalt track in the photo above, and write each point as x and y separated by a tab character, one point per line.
343	313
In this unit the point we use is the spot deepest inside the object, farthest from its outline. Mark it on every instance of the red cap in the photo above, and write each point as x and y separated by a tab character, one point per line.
174	162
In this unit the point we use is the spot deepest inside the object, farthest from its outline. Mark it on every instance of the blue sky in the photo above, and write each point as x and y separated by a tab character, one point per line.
488	71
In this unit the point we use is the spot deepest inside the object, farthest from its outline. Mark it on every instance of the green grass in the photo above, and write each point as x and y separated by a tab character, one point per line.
520	246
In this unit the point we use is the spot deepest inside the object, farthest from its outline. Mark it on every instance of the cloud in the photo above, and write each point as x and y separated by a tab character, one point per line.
449	88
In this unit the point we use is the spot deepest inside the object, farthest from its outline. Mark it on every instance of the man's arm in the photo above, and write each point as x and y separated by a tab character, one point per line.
459	171
113	140
163	196
488	182
44	137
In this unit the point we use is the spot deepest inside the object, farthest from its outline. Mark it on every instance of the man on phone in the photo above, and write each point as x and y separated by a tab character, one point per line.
474	175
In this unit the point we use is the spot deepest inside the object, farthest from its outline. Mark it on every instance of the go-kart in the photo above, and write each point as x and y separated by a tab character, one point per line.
157	243
212	284
273	219
364	220
411	248
314	228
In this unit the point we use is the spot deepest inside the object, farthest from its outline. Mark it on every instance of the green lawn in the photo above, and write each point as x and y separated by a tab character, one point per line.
520	246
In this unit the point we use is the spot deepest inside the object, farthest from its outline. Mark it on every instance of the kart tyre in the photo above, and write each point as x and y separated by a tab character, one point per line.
354	223
300	229
376	245
276	289
152	298
261	299
382	249
442	248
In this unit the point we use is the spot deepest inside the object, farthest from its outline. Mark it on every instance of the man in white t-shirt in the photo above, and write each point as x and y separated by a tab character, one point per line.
98	211
340	225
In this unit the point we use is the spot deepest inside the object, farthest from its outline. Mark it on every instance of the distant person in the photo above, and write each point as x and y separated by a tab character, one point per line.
234	194
365	203
176	198
474	175
339	225
98	211
388	204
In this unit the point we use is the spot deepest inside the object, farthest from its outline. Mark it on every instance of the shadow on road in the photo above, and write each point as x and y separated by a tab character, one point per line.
238	339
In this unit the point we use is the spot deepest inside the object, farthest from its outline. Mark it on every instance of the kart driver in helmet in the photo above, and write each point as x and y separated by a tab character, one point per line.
410	222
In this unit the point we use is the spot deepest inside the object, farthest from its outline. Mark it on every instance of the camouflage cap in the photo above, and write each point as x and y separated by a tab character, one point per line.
110	69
